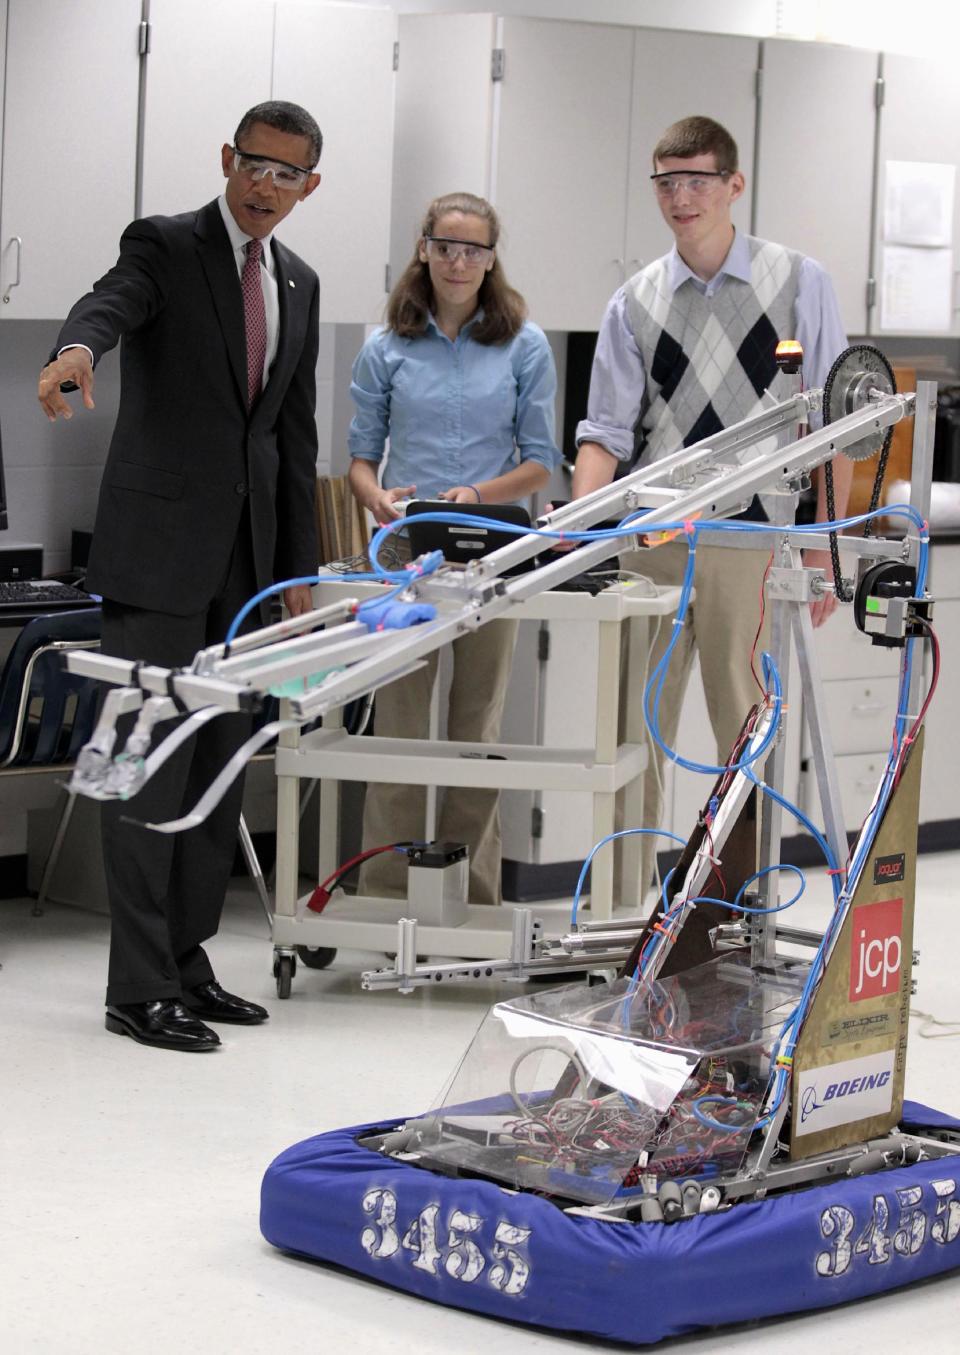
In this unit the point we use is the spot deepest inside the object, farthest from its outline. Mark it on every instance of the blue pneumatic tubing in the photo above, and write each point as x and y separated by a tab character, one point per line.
612	837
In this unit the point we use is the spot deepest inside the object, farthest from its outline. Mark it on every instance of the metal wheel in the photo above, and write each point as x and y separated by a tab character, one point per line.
857	372
284	968
317	957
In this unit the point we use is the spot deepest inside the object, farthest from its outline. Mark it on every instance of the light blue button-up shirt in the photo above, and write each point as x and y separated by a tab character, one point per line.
455	411
618	377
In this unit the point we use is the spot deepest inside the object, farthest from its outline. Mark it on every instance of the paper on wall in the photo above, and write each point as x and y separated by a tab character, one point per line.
916	289
918	205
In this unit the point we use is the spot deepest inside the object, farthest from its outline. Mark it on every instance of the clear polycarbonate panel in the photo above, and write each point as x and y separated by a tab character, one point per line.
585	1093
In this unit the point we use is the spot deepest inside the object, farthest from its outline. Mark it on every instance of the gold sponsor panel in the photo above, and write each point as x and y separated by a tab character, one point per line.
843	1025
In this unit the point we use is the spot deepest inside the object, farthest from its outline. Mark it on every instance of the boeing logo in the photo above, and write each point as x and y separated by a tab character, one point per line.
835	1090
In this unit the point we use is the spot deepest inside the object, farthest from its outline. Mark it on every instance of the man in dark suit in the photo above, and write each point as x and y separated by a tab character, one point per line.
207	496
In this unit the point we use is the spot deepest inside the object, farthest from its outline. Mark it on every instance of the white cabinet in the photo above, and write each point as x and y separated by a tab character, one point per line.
940	786
559	177
443	118
69	148
675	75
920	121
558	135
208	64
337	61
546	141
815	161
552	701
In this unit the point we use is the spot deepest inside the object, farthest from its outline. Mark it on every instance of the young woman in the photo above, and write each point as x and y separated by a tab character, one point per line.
463	385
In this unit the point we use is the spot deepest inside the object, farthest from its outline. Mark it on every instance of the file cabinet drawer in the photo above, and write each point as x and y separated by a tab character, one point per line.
860	713
858	775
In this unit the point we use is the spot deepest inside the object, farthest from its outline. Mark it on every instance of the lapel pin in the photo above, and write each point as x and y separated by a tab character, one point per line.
291	282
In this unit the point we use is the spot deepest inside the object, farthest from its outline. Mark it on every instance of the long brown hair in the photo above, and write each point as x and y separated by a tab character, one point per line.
504	309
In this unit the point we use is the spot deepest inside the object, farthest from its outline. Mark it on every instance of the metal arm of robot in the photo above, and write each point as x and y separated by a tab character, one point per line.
710	479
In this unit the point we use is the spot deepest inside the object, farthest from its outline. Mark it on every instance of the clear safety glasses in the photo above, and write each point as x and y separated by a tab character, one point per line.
698	183
257	167
439	247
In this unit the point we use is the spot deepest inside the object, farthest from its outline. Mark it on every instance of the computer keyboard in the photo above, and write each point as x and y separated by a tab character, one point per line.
40	595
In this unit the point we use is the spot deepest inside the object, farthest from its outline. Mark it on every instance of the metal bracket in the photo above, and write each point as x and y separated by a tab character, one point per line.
795	585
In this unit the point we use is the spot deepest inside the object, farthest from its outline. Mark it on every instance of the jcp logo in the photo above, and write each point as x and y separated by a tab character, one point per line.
876	950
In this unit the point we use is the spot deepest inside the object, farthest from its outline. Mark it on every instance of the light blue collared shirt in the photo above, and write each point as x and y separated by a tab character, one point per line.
455	411
618	377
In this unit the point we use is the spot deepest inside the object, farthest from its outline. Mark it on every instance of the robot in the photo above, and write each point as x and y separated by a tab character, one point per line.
732	1096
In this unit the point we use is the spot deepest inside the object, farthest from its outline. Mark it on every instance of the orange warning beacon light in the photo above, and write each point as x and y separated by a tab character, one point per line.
789	356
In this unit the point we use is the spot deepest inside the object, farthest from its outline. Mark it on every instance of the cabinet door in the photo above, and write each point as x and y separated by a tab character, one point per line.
920	121
443	118
208	64
337	61
69	163
939	795
560	170
815	163
676	75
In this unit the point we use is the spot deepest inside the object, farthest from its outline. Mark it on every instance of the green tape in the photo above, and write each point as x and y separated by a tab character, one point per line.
297	686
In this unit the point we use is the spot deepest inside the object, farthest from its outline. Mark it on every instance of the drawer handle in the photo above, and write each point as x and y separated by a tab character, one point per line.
865	784
14	240
869	707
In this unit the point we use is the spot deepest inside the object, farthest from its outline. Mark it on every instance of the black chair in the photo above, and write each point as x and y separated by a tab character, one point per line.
46	713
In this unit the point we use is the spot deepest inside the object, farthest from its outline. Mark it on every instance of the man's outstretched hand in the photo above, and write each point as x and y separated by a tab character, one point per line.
73	364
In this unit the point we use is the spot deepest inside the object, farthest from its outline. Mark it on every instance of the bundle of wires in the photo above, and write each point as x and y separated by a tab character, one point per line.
904	734
905	728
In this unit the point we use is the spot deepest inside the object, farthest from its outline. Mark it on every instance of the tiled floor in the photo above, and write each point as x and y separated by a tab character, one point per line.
130	1177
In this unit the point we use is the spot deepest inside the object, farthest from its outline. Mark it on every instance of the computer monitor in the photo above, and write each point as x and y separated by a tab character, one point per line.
3	491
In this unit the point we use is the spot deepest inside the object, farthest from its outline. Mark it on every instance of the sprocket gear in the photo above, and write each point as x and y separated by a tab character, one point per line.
858	370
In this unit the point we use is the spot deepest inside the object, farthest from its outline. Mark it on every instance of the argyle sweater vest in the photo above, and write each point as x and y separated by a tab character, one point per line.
709	360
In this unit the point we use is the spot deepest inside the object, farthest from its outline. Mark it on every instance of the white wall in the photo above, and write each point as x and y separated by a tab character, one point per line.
751	17
934	25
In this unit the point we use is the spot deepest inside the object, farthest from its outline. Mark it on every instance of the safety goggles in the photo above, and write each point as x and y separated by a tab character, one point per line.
698	183
257	167
439	247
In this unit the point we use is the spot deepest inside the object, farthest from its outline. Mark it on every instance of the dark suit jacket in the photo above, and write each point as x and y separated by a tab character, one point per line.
185	455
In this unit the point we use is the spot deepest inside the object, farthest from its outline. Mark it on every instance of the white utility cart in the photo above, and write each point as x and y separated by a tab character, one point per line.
331	755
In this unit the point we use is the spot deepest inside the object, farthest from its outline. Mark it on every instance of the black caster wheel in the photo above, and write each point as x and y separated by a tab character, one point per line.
317	957
284	968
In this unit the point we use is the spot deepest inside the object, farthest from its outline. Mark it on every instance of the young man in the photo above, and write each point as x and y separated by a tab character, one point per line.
686	348
207	496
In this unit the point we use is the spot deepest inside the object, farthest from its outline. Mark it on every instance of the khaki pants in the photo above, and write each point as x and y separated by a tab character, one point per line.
721	624
397	813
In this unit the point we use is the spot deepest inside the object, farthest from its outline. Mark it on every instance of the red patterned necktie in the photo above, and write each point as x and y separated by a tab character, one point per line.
254	318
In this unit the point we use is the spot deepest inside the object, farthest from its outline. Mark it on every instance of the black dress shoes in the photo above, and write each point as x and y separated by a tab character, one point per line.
210	1002
165	1023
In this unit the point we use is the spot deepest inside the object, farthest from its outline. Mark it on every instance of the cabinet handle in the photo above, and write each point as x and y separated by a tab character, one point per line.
868	707
14	239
